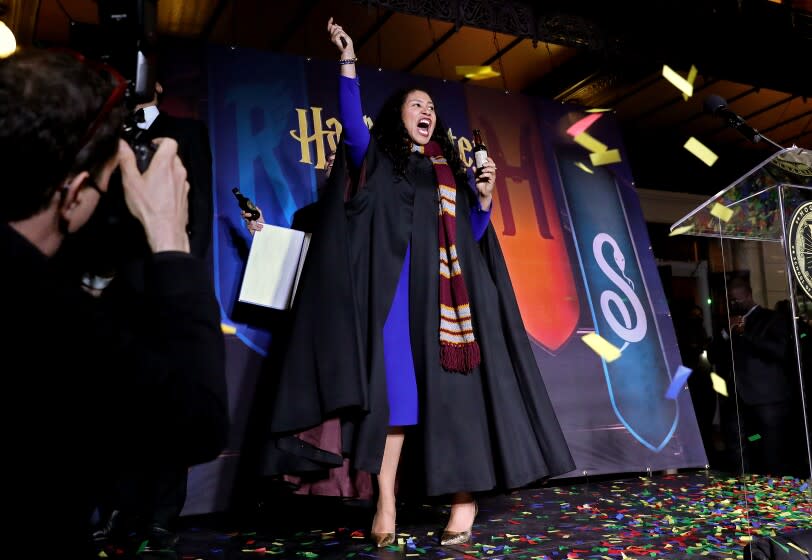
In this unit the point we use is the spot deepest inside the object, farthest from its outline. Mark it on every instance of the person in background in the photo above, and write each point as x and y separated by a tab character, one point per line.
406	330
760	416
194	149
149	501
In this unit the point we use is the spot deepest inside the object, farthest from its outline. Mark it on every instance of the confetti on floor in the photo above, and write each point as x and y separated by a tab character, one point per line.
684	516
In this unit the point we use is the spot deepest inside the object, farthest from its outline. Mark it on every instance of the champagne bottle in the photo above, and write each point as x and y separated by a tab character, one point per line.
480	151
245	204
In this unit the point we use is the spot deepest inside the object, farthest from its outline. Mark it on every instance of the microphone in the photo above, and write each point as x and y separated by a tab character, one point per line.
717	106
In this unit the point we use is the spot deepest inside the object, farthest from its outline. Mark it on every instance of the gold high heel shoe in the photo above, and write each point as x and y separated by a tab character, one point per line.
451	538
381	539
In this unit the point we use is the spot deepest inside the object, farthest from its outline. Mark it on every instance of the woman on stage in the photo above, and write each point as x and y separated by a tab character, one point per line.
406	329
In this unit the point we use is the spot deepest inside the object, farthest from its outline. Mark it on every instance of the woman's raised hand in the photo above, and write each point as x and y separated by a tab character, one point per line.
485	181
341	40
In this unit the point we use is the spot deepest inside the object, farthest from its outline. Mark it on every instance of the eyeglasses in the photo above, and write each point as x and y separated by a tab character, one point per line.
113	99
91	184
88	183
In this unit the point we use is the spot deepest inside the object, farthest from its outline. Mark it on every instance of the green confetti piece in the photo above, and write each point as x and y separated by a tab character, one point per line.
784	548
754	437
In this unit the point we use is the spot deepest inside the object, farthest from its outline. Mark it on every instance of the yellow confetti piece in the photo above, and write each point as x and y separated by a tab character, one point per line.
678	81
590	143
601	346
719	384
605	158
483	75
690	79
597	110
798	548
701	151
469	69
722	212
477	72
228	329
583	167
102	554
680	230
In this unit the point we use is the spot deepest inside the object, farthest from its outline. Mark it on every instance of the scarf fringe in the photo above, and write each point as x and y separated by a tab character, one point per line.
462	358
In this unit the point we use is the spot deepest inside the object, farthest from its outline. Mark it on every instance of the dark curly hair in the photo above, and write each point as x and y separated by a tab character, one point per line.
48	101
393	139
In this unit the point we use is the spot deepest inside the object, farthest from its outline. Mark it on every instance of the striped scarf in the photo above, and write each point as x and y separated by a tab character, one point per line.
459	350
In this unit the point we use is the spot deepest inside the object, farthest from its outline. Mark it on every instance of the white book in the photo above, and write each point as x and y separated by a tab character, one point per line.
274	266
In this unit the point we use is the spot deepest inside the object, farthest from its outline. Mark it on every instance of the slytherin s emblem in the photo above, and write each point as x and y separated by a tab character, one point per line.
630	329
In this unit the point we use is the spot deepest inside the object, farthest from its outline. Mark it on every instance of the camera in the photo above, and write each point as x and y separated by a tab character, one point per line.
125	39
129	44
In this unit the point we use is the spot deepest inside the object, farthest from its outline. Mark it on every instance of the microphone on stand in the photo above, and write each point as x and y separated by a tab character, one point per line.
717	106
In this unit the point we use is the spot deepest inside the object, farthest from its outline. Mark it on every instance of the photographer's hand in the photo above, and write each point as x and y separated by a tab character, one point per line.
159	197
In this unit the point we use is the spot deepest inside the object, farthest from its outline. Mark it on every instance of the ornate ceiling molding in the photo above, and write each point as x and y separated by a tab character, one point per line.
505	16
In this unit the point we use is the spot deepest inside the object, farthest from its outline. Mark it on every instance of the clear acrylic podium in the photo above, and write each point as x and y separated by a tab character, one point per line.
760	207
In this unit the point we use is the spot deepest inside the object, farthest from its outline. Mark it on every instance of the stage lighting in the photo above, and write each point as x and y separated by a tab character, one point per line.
8	44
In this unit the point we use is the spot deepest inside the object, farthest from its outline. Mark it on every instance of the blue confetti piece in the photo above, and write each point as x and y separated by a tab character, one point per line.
678	382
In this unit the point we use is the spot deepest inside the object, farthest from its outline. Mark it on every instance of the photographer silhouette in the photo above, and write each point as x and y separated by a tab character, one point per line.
100	382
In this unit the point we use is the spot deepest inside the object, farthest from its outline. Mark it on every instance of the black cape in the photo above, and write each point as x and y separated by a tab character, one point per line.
493	428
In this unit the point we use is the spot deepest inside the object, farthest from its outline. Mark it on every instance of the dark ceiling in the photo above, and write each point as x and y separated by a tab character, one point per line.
753	53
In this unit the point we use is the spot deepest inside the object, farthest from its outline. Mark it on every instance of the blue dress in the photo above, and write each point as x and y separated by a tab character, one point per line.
401	383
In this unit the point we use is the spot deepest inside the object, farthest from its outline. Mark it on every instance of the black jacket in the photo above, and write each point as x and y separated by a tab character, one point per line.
90	384
762	358
194	150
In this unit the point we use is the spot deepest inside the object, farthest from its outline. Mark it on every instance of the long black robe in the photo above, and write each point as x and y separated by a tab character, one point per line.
491	428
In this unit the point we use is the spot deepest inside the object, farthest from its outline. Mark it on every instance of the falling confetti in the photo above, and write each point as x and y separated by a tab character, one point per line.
690	79
721	212
605	158
592	144
583	124
678	382
680	230
477	72
701	151
719	384
601	346
678	81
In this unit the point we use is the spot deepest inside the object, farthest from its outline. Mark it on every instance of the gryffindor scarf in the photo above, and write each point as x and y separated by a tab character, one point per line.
459	350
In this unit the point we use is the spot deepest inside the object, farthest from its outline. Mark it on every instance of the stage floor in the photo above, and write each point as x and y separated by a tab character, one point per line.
681	516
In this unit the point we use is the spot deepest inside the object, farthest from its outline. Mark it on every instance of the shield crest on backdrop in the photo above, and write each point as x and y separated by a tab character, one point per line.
526	218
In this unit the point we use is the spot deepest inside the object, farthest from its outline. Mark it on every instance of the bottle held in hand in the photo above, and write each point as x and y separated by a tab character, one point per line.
245	204
480	151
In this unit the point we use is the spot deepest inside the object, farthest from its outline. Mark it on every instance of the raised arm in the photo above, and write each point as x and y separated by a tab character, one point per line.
356	133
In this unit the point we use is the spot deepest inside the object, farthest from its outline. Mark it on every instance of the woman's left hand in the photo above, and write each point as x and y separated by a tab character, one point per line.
485	181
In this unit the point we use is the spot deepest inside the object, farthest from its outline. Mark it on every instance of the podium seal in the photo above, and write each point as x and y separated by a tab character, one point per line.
799	241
